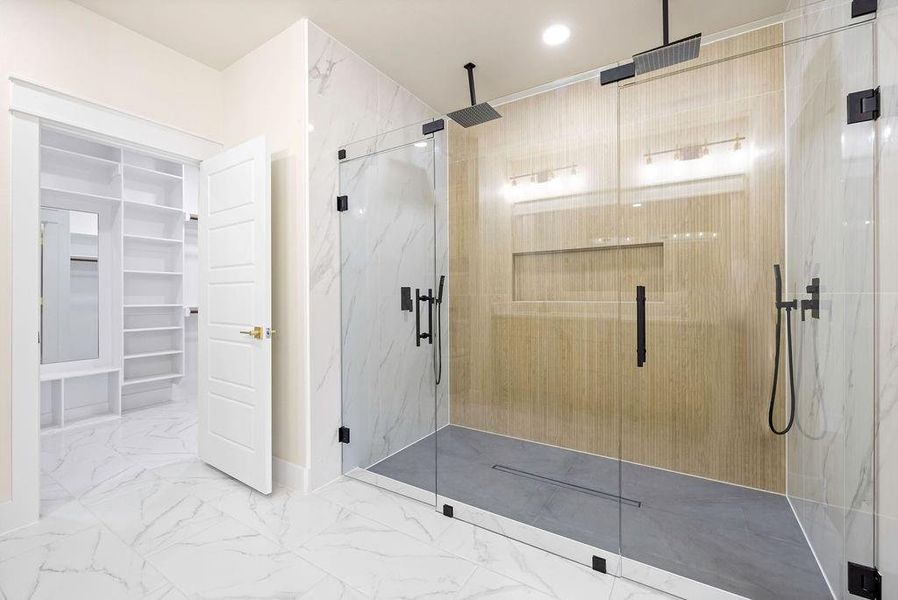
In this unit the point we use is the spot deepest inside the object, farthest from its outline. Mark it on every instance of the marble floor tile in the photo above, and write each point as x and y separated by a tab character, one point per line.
384	563
53	495
205	482
547	573
88	565
232	560
288	517
117	484
168	592
68	519
82	468
486	585
628	590
129	511
151	515
417	519
331	588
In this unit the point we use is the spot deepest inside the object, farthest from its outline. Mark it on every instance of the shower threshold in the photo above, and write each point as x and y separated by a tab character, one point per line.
733	538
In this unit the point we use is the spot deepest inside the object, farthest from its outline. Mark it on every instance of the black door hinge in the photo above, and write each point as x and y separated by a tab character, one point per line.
859	8
341	154
599	564
448	511
342	203
343	435
433	127
863	106
864	581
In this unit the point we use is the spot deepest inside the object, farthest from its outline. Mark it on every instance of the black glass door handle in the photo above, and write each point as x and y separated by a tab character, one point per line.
640	325
418	300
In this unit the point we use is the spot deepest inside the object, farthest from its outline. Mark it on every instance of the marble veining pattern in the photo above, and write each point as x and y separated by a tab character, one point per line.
348	100
887	136
830	235
182	530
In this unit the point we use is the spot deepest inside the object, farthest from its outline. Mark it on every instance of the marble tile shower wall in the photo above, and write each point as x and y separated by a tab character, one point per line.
886	472
348	100
388	241
830	235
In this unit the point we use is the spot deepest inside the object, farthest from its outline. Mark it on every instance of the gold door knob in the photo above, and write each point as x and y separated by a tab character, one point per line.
270	332
255	332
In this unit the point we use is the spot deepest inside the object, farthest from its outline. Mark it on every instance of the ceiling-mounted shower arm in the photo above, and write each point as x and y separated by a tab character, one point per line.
470	68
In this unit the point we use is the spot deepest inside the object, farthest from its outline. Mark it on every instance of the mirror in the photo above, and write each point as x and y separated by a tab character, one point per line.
70	285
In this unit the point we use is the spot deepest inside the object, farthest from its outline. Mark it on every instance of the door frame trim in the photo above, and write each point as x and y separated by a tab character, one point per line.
31	106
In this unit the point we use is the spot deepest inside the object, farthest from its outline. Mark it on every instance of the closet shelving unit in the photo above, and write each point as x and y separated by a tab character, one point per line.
153	277
143	359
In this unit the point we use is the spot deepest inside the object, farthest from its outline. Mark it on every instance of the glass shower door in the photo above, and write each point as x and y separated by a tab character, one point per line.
532	442
387	280
722	187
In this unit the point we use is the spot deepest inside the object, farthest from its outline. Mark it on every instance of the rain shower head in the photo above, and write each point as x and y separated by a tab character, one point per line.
670	53
476	113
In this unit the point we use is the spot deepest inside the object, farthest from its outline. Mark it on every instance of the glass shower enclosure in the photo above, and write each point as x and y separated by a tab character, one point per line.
388	283
595	377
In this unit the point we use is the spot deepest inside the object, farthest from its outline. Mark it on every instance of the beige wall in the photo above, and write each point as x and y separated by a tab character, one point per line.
264	93
541	348
64	46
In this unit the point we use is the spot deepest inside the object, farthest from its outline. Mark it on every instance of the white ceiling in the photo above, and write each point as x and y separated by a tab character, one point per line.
424	43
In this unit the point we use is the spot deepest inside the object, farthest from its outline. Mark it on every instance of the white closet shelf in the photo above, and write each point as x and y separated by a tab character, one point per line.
72	423
150	175
56	376
152	240
80	156
49	192
152	378
148	329
152	207
162	273
152	354
153	306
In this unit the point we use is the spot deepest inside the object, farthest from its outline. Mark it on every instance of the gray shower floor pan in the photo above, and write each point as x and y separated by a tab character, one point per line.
734	538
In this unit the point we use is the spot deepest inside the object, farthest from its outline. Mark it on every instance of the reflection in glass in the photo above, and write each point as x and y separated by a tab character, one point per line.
69	286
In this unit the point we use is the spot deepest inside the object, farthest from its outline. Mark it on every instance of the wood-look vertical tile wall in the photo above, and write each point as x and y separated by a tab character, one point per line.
556	215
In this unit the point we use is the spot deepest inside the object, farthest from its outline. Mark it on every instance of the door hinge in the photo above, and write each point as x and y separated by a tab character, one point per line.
342	203
448	511
343	435
599	564
341	154
863	106
859	8
864	581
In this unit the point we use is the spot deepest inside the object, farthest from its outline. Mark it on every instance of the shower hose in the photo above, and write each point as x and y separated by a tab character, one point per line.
776	368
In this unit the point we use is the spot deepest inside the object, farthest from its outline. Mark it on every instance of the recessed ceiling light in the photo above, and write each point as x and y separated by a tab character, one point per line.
420	144
556	34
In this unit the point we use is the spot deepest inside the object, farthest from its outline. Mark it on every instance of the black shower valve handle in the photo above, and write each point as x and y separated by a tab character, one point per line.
813	303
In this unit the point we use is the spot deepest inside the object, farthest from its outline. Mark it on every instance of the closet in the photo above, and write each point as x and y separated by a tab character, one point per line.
119	279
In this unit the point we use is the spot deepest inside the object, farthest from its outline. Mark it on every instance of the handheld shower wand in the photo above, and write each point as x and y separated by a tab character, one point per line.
788	307
438	367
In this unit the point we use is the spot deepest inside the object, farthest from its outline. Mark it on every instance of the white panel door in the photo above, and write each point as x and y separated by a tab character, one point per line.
235	313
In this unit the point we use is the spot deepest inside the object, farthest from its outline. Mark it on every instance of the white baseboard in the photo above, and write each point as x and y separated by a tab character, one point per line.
290	475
